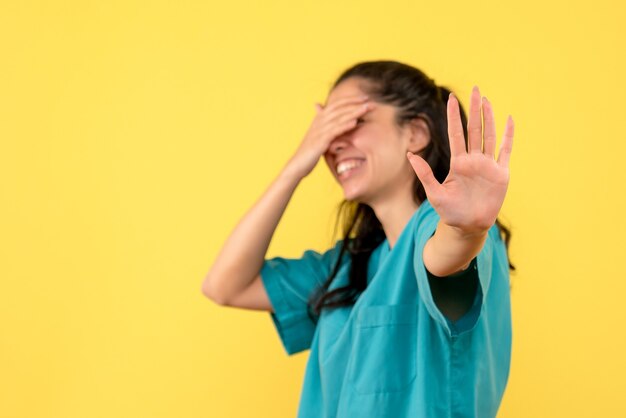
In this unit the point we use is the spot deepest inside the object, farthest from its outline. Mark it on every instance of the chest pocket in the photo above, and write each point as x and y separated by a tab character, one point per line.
384	353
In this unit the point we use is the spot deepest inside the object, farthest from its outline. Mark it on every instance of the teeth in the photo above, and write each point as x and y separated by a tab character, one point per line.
347	165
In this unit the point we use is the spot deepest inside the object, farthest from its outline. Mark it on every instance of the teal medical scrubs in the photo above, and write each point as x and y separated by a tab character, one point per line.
394	353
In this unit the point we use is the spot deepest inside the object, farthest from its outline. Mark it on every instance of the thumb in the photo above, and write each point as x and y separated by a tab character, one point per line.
424	174
318	107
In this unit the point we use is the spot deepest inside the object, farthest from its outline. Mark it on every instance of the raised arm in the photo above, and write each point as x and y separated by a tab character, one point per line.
470	198
241	258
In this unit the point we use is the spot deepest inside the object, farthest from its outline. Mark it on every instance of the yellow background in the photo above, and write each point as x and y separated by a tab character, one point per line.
135	134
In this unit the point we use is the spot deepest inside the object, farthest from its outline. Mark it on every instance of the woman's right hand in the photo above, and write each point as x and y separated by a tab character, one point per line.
329	122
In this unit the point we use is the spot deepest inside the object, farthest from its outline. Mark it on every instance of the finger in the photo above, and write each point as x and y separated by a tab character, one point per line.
474	124
455	127
425	175
490	129
507	144
349	120
318	107
358	98
338	129
352	112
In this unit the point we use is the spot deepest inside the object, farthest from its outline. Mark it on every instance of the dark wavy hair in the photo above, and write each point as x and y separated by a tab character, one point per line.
414	95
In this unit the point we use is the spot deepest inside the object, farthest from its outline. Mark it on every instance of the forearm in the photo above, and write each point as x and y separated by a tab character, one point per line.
242	255
450	250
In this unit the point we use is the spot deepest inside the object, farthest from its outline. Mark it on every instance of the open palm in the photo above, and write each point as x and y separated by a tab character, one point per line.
472	194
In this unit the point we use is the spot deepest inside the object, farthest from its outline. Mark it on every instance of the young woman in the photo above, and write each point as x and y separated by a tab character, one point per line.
409	314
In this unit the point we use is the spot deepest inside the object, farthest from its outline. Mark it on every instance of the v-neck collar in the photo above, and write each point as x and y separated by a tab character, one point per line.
386	249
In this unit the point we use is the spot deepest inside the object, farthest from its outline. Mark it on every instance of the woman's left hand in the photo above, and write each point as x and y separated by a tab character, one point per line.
471	196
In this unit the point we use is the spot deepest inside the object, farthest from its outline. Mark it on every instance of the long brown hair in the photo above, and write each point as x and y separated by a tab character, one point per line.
414	95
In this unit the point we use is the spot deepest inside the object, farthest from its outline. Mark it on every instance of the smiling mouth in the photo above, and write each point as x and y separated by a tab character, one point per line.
348	169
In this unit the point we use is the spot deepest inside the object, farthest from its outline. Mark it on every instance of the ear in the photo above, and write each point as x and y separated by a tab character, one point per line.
418	135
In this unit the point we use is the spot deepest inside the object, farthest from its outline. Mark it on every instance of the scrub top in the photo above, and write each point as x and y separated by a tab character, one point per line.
394	353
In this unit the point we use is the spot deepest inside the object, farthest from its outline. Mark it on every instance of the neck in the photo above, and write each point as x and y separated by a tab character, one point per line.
394	212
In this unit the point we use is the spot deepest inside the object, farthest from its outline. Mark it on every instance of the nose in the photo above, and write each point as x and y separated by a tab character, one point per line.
338	144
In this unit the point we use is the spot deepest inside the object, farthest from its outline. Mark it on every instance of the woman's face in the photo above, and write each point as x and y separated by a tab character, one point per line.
377	146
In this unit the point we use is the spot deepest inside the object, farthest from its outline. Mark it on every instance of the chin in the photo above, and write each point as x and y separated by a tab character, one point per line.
353	196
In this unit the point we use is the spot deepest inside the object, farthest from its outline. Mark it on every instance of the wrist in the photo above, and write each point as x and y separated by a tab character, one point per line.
469	233
464	233
291	174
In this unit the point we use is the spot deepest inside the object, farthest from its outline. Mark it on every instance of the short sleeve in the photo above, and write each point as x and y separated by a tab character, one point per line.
483	264
289	282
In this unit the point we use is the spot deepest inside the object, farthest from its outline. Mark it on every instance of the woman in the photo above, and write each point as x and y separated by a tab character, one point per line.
409	314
